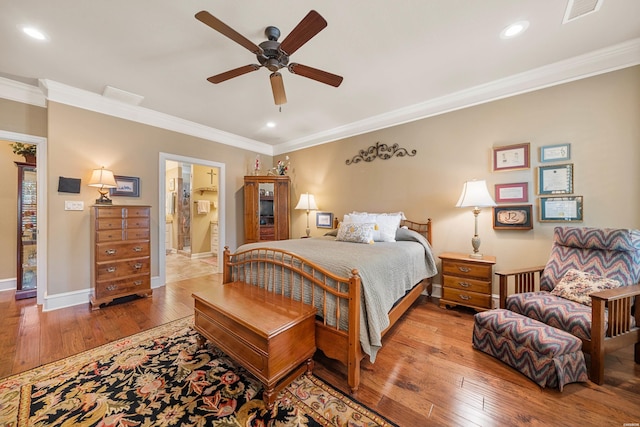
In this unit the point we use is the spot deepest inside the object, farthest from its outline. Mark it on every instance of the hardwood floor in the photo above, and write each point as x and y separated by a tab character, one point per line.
427	373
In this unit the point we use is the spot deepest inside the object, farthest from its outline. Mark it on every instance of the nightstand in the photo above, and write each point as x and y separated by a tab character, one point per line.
466	281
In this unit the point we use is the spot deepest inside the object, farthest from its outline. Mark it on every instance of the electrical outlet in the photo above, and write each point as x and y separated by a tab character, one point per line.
72	205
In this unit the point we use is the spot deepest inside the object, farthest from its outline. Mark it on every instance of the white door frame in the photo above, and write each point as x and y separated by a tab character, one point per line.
162	207
41	199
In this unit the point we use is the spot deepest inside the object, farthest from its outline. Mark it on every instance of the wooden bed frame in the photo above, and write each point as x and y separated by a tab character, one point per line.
261	265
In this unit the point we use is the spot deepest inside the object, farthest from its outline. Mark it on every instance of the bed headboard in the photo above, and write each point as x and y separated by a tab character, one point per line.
419	227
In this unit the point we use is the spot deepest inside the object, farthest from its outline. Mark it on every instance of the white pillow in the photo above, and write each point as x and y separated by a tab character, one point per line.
386	224
356	232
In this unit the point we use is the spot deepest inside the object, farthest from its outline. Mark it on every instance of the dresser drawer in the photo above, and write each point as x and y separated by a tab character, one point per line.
109	236
109	224
463	269
108	212
136	234
136	223
118	269
122	287
142	212
467	284
117	251
467	298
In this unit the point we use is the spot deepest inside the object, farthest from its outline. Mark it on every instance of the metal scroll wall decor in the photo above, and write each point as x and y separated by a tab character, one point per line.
382	151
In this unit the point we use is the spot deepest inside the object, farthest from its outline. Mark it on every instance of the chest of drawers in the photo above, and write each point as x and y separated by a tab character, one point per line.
466	281
121	263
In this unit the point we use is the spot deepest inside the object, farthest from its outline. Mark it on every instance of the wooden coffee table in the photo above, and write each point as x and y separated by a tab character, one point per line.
272	336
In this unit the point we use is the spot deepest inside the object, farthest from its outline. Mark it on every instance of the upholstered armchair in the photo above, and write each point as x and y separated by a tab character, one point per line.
606	320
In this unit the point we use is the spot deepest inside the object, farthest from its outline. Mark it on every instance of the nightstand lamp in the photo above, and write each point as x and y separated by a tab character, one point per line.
308	203
103	179
475	195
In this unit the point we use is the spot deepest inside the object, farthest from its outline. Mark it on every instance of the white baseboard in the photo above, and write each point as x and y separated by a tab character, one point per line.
8	284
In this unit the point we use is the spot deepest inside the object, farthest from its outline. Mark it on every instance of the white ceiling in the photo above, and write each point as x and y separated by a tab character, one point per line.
400	60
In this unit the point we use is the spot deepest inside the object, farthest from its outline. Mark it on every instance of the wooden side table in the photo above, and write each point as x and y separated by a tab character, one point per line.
272	336
466	281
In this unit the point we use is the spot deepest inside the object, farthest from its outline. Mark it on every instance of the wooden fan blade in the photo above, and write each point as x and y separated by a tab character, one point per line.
210	20
277	86
219	78
315	74
310	25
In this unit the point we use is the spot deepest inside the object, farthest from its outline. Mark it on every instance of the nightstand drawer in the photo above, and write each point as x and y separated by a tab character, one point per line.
464	269
467	298
466	284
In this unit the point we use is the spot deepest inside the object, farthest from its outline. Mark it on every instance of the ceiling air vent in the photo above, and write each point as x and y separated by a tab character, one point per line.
579	8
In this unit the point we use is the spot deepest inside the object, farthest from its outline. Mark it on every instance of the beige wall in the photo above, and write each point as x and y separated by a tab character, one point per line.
201	223
80	140
597	116
8	207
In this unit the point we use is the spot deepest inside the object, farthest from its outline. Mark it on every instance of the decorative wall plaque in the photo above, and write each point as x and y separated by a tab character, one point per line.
382	151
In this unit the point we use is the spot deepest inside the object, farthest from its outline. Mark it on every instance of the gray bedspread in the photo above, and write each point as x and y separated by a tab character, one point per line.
388	270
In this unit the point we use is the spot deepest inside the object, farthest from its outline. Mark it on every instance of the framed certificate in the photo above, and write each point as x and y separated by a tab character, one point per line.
555	153
557	179
561	209
512	193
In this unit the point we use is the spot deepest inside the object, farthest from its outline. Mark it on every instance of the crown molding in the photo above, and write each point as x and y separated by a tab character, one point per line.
21	92
75	97
601	61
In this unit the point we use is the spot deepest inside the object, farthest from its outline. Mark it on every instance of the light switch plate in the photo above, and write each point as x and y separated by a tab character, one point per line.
72	205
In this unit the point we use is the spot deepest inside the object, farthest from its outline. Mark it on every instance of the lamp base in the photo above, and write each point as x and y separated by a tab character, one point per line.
101	201
475	256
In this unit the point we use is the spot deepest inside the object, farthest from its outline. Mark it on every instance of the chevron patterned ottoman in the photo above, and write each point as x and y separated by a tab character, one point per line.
548	356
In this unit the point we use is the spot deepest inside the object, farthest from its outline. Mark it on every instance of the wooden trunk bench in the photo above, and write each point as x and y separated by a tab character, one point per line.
270	335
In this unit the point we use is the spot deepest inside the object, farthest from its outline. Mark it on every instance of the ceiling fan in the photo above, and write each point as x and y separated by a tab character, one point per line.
274	55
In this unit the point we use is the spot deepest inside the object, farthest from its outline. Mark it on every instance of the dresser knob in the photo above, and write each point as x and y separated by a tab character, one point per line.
137	266
464	284
111	269
464	269
465	297
137	249
138	282
110	251
112	287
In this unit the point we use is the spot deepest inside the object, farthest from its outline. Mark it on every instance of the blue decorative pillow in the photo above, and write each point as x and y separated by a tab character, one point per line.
356	233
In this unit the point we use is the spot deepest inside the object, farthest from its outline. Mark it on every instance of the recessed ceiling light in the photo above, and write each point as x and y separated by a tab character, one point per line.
271	124
514	29
34	33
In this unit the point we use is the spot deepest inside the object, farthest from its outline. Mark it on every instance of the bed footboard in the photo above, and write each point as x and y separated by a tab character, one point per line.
288	274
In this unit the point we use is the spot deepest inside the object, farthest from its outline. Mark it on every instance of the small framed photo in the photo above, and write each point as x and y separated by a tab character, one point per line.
512	193
511	157
555	153
324	220
561	209
128	186
515	217
557	179
172	184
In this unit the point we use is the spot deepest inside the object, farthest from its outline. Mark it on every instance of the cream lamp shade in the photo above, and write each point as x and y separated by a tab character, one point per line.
103	179
307	202
475	195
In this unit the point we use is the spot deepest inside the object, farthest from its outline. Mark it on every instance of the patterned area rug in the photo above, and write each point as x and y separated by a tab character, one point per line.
161	378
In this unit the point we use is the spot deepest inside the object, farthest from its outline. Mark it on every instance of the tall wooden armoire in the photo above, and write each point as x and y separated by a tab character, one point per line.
266	208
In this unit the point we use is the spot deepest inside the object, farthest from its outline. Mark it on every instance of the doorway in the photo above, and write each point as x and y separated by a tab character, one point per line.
193	213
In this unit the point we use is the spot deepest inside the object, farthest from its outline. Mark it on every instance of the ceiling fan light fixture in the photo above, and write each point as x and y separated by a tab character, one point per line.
277	86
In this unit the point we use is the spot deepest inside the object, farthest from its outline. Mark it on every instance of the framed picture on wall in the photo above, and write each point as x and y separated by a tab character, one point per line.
557	179
561	209
511	157
324	219
517	192
515	217
555	153
128	186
